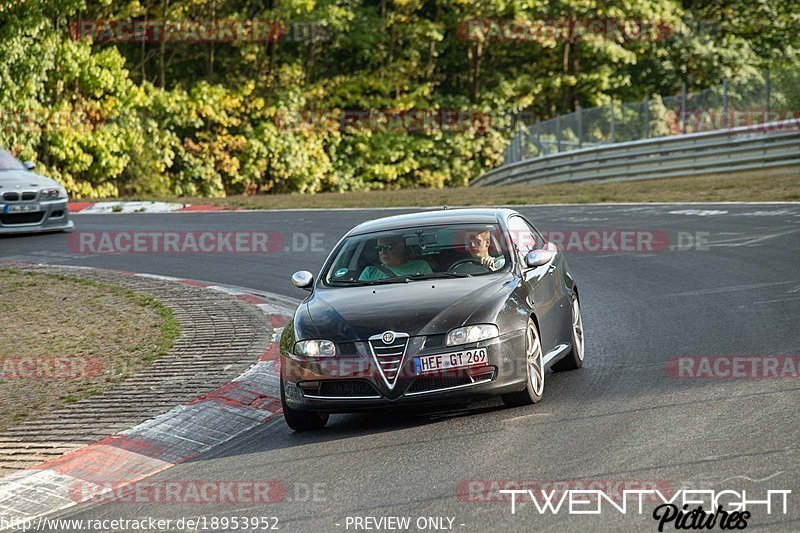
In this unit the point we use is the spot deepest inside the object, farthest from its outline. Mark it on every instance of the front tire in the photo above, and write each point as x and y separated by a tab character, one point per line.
574	359
301	420
534	367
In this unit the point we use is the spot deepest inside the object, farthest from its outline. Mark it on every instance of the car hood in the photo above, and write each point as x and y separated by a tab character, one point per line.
10	179
417	308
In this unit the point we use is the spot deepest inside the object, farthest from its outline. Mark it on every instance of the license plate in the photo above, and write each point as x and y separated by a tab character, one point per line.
444	361
22	208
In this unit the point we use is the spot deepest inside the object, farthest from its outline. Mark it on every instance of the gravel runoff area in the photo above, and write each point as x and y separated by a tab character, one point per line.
220	337
72	338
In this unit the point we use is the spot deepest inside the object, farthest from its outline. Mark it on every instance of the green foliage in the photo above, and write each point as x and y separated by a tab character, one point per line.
219	118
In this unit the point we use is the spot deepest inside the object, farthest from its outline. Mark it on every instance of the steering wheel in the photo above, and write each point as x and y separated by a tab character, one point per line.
469	260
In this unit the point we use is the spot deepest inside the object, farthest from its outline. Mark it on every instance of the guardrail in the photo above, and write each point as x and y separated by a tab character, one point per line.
745	148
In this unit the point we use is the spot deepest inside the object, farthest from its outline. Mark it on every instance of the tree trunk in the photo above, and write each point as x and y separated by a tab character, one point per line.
162	68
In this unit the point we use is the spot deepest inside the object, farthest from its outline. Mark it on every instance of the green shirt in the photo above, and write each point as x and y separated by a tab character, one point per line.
418	266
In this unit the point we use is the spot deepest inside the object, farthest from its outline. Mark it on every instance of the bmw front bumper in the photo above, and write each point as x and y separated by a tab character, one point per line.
353	382
54	216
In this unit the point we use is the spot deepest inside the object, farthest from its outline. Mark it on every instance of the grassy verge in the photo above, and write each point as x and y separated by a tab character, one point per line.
68	338
782	184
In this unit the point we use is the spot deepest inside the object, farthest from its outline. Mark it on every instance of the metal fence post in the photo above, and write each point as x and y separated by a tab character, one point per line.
768	90
611	109
558	133
646	133
580	126
725	103
683	107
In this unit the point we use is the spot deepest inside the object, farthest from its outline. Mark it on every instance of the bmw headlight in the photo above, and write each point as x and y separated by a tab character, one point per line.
315	348
469	334
51	194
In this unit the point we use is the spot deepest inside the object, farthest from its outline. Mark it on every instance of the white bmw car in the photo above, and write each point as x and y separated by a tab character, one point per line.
29	202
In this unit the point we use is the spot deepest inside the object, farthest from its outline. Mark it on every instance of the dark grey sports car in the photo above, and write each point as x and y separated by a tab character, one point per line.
433	307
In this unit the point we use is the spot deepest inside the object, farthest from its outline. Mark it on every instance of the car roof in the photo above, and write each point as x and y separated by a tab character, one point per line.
484	215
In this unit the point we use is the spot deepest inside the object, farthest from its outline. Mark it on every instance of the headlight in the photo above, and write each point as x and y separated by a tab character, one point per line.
316	348
51	194
468	334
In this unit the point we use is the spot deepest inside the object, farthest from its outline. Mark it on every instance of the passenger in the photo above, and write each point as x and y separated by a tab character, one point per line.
478	246
392	252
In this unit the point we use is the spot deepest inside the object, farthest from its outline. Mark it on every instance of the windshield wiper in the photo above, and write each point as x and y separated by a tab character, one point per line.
365	282
436	275
400	279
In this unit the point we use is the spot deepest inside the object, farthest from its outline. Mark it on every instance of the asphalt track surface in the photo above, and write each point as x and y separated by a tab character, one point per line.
622	417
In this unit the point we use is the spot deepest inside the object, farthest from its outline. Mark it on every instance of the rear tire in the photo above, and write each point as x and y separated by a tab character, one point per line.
301	420
574	359
534	367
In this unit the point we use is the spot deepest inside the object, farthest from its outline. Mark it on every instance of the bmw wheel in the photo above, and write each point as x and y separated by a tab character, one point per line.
534	366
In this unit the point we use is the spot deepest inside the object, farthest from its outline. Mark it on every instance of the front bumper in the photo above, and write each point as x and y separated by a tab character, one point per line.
54	216
353	383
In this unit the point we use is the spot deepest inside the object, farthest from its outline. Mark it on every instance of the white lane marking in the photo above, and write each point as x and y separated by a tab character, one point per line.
776	300
226	290
767	213
131	207
733	288
746	241
510	206
751	479
698	212
156	276
525	416
270	309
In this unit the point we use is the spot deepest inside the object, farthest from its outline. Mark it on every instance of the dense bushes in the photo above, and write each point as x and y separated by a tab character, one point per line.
213	119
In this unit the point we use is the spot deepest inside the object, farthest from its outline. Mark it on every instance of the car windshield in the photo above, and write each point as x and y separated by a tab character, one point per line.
9	162
413	254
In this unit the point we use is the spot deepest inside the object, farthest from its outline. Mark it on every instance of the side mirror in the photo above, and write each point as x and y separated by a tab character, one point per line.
536	258
303	279
29	165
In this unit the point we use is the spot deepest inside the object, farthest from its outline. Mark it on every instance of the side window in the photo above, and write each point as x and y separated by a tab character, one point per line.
541	243
523	237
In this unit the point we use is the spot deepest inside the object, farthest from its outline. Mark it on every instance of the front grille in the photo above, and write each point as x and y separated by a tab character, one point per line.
21	218
28	195
389	356
347	388
423	384
11	196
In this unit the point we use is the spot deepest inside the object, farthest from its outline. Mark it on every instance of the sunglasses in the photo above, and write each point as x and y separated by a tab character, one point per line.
384	247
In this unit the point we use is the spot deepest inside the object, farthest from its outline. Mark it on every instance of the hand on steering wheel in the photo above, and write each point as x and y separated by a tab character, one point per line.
473	261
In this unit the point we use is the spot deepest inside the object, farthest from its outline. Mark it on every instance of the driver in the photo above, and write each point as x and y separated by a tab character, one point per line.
392	252
478	246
